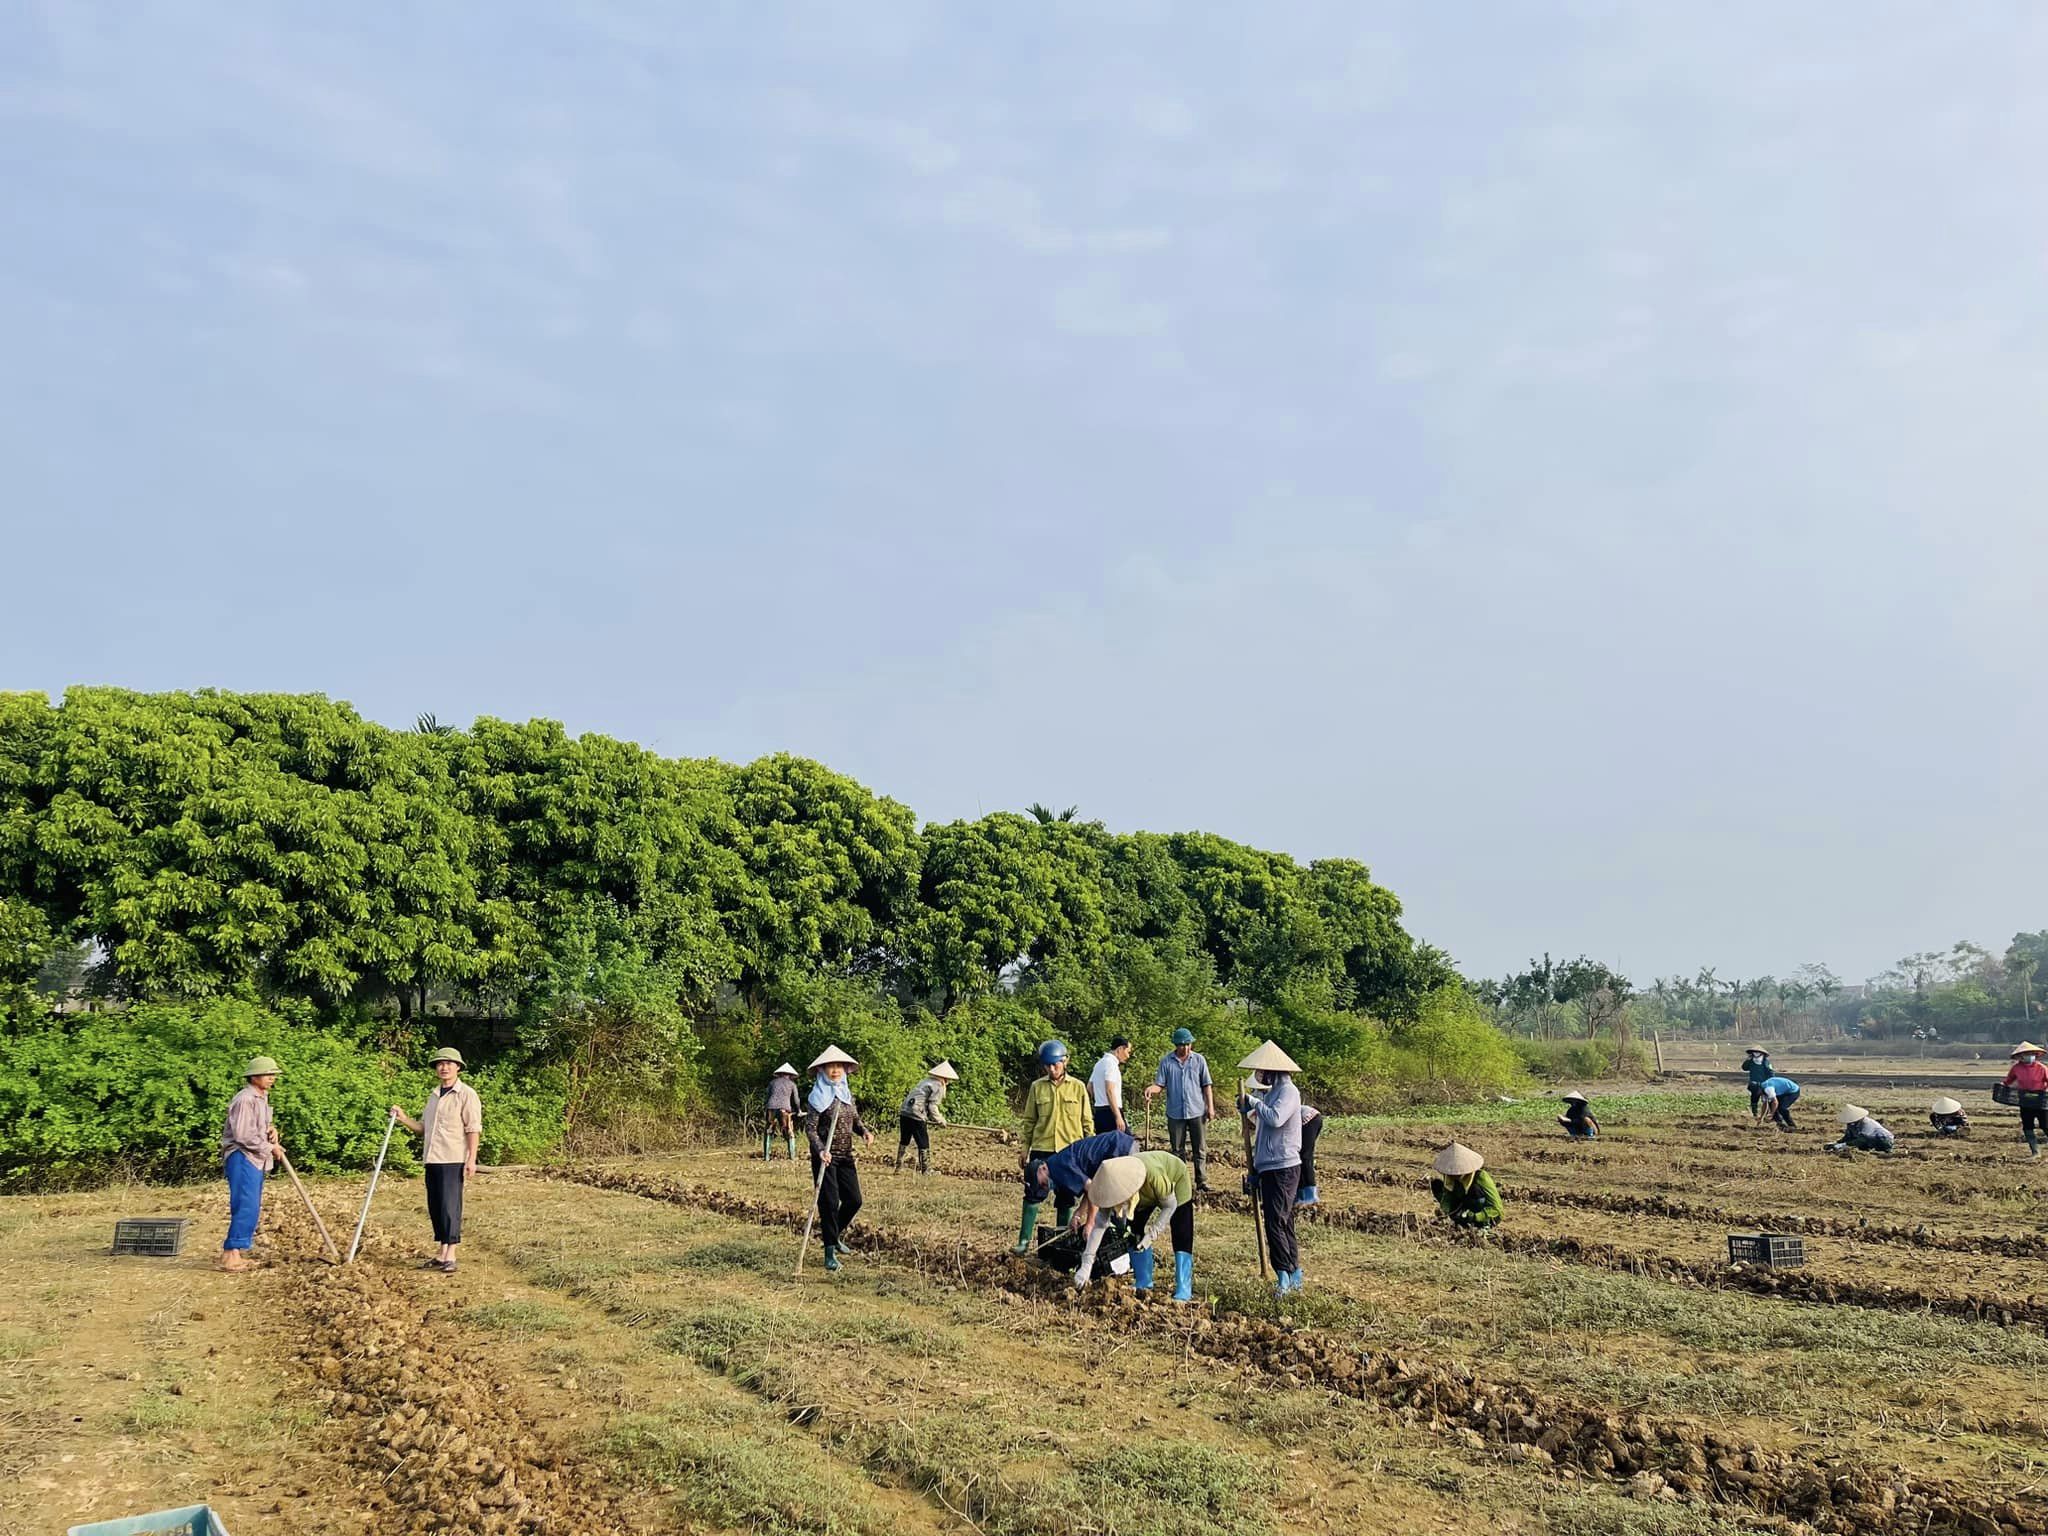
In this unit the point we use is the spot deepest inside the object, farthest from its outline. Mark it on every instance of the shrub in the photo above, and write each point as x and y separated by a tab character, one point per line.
1582	1061
146	1090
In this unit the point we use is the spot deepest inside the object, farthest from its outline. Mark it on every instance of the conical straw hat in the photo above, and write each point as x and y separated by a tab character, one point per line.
1946	1106
785	1070
1457	1159
1575	1094
832	1056
1268	1058
944	1072
2026	1046
1115	1182
1849	1114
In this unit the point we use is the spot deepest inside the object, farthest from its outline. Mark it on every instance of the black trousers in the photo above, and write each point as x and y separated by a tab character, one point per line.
1309	1133
1782	1115
911	1129
838	1197
2033	1117
1756	1095
444	1201
1105	1119
1277	1189
1181	1224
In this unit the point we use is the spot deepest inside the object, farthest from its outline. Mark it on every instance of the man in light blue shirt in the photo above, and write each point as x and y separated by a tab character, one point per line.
1183	1076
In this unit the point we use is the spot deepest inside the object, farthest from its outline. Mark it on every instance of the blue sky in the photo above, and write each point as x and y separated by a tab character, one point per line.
1583	460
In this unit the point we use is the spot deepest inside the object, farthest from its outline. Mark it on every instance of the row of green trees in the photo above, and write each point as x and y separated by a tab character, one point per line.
655	929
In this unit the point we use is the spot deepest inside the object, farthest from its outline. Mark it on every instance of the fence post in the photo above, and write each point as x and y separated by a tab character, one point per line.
1657	1039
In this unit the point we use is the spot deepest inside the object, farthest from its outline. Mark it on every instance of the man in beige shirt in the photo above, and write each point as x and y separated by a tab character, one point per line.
450	1126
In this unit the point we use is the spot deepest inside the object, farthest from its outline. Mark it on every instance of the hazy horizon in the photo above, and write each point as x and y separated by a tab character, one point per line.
1581	468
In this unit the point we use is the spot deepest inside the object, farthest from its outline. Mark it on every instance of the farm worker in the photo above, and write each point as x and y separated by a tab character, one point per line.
1066	1173
1311	1130
1780	1094
1106	1086
1272	1106
1464	1191
248	1148
1155	1192
1947	1117
1183	1076
1577	1119
1055	1117
2029	1079
834	1122
1756	1066
1860	1133
920	1112
449	1127
781	1113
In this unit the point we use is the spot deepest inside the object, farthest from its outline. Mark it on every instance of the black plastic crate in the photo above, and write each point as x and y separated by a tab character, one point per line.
152	1237
1769	1249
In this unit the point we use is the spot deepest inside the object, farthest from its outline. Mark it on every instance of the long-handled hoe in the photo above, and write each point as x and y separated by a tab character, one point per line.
1258	1193
818	1191
356	1241
333	1253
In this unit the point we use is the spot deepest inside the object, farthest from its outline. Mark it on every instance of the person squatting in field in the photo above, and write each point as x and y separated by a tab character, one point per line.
1271	1106
1756	1066
248	1148
1183	1076
1154	1192
1463	1189
450	1125
2029	1081
781	1113
1780	1094
1055	1117
1947	1117
834	1122
920	1112
1577	1119
1860	1131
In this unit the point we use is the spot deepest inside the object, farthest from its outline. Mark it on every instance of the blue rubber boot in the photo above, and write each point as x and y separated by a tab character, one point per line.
1183	1277
831	1259
1141	1271
1307	1197
1296	1286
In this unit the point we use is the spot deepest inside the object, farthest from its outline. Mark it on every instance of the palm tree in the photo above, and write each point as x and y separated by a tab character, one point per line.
427	725
1046	816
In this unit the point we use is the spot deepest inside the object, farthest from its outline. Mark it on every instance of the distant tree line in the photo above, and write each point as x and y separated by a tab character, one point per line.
1947	993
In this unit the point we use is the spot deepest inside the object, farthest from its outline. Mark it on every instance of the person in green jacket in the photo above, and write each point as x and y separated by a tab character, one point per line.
1057	1113
1158	1193
1464	1191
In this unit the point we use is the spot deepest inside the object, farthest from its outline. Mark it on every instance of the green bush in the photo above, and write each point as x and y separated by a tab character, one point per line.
1581	1061
145	1090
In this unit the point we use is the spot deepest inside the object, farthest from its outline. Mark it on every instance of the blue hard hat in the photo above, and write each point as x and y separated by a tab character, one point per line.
1050	1051
1183	1037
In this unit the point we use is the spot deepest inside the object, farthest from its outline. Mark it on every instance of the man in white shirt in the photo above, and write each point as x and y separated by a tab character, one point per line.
1106	1087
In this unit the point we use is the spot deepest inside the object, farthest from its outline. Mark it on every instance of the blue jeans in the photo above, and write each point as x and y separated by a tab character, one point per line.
245	1201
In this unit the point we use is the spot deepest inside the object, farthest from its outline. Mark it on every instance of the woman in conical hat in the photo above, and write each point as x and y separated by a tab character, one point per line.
782	1099
2029	1081
834	1122
1271	1107
920	1112
1860	1131
1464	1190
1577	1119
1946	1116
1155	1192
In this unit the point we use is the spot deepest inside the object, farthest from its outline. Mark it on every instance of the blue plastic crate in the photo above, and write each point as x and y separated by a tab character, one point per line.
198	1519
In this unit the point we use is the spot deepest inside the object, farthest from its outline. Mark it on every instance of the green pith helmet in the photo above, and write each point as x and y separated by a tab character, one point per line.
447	1053
261	1066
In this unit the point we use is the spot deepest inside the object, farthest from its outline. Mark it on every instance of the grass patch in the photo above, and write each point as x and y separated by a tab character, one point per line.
1618	1108
155	1413
20	1343
723	1472
519	1319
